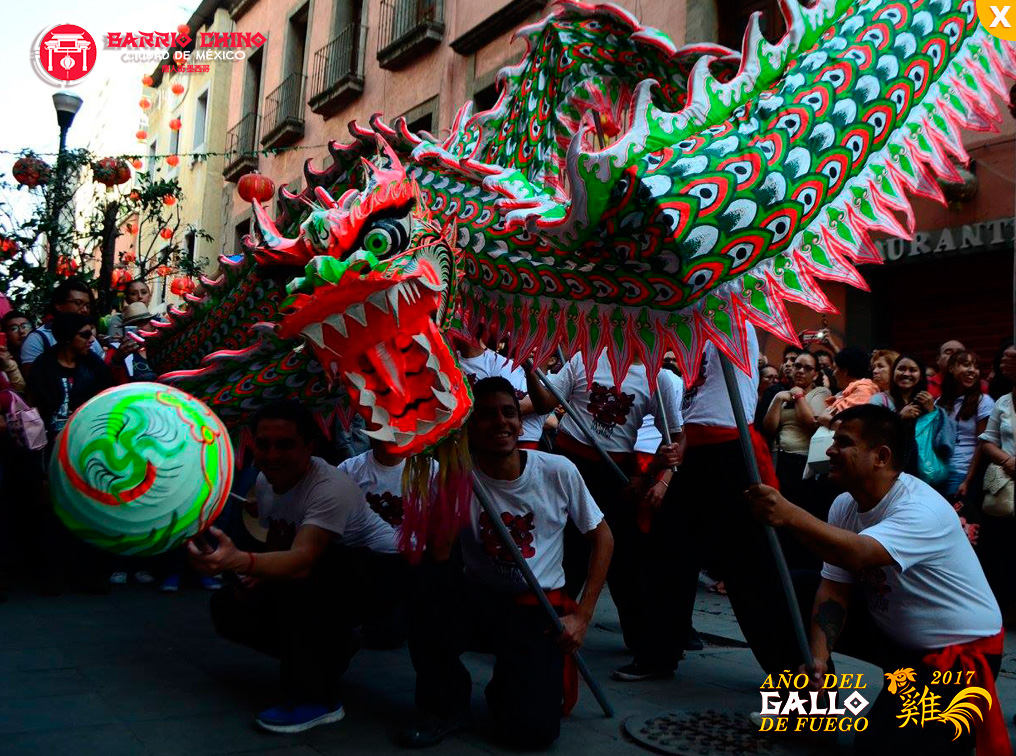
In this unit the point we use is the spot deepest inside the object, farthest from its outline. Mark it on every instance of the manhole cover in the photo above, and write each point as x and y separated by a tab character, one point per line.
701	733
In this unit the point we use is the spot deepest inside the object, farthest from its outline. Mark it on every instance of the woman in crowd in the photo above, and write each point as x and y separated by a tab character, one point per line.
136	291
767	376
908	391
882	361
963	401
791	422
998	446
15	327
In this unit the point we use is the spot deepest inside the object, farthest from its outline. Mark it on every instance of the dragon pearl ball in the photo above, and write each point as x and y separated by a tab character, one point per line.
140	468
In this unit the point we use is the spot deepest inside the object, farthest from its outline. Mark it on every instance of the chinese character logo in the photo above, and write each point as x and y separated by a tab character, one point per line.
921	707
66	53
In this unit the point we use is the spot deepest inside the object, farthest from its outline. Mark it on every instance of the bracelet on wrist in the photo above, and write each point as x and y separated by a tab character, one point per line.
252	561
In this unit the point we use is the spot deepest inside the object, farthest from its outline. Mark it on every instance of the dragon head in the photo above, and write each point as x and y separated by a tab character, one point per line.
377	292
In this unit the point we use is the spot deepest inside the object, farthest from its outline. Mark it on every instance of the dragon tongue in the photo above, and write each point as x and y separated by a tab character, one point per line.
390	367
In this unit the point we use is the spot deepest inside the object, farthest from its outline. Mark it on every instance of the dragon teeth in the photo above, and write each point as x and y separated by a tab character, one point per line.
357	380
367	398
434	363
384	434
315	333
443	416
444	397
445	380
338	323
380	300
357	313
393	300
424	426
428	285
401	439
422	341
379	415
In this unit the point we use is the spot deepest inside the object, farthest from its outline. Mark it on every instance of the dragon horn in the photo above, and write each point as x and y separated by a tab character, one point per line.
280	250
324	197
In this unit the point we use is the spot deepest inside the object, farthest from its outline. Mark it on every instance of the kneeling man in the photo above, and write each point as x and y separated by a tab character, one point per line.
899	565
330	565
487	606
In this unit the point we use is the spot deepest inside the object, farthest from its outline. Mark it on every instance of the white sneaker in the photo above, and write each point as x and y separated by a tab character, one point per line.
118	578
143	577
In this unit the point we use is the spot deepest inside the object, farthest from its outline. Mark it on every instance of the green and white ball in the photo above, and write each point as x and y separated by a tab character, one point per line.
140	468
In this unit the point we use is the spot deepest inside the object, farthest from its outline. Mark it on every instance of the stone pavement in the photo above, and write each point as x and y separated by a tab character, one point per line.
142	673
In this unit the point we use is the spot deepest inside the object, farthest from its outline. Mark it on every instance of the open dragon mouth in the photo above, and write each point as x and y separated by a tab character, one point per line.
377	334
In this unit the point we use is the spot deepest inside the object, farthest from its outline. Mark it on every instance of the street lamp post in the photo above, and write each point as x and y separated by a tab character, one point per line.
67	106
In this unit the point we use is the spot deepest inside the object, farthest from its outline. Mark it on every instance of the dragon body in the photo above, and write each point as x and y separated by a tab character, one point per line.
623	194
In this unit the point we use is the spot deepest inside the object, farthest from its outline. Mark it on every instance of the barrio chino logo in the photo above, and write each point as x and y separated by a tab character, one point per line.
64	54
998	19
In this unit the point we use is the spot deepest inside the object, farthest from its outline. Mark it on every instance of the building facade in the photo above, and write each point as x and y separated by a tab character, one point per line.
202	109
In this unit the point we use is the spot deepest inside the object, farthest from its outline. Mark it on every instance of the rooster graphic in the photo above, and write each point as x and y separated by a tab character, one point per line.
922	707
609	407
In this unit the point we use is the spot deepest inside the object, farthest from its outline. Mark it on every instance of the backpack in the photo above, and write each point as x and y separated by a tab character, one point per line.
25	425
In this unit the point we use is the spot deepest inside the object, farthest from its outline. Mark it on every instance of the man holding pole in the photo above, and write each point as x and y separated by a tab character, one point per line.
487	604
603	419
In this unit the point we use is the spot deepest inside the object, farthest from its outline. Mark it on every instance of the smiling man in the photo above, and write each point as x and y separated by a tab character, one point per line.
487	605
897	559
329	565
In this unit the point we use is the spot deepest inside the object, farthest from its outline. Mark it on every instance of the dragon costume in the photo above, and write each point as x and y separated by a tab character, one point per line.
623	194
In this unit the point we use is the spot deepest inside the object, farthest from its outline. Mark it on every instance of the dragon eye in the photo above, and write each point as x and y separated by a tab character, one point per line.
378	242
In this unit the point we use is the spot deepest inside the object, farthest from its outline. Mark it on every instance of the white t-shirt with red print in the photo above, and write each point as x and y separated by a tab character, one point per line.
326	498
381	486
490	364
706	401
935	595
535	507
615	413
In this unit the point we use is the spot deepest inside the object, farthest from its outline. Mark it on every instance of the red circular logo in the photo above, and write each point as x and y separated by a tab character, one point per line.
67	52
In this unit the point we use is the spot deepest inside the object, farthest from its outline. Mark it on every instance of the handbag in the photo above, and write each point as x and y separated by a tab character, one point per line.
998	492
928	436
25	425
818	460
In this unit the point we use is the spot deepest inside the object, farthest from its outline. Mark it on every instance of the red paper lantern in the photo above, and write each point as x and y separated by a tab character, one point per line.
8	247
147	80
163	270
177	88
31	171
111	171
183	30
66	266
255	186
175	124
120	277
136	162
166	233
173	160
142	135
130	256
145	103
181	286
169	200
135	196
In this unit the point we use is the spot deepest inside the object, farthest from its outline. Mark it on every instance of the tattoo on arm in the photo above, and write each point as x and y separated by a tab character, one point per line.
829	618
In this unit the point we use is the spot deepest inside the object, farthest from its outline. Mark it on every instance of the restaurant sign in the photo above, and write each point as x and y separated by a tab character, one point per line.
976	237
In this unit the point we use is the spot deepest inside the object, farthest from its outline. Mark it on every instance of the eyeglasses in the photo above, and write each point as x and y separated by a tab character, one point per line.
20	327
85	334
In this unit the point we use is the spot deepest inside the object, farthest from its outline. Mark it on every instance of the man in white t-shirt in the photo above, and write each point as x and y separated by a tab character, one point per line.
487	605
925	603
330	564
614	414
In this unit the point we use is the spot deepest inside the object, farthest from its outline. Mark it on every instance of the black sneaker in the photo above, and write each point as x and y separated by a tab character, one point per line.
637	672
429	730
693	641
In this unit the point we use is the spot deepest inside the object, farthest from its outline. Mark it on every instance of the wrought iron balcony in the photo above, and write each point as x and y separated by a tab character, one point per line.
338	71
408	29
241	148
284	112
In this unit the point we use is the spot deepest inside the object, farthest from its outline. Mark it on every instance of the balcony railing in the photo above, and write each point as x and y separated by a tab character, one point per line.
284	112
338	71
408	28
241	148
